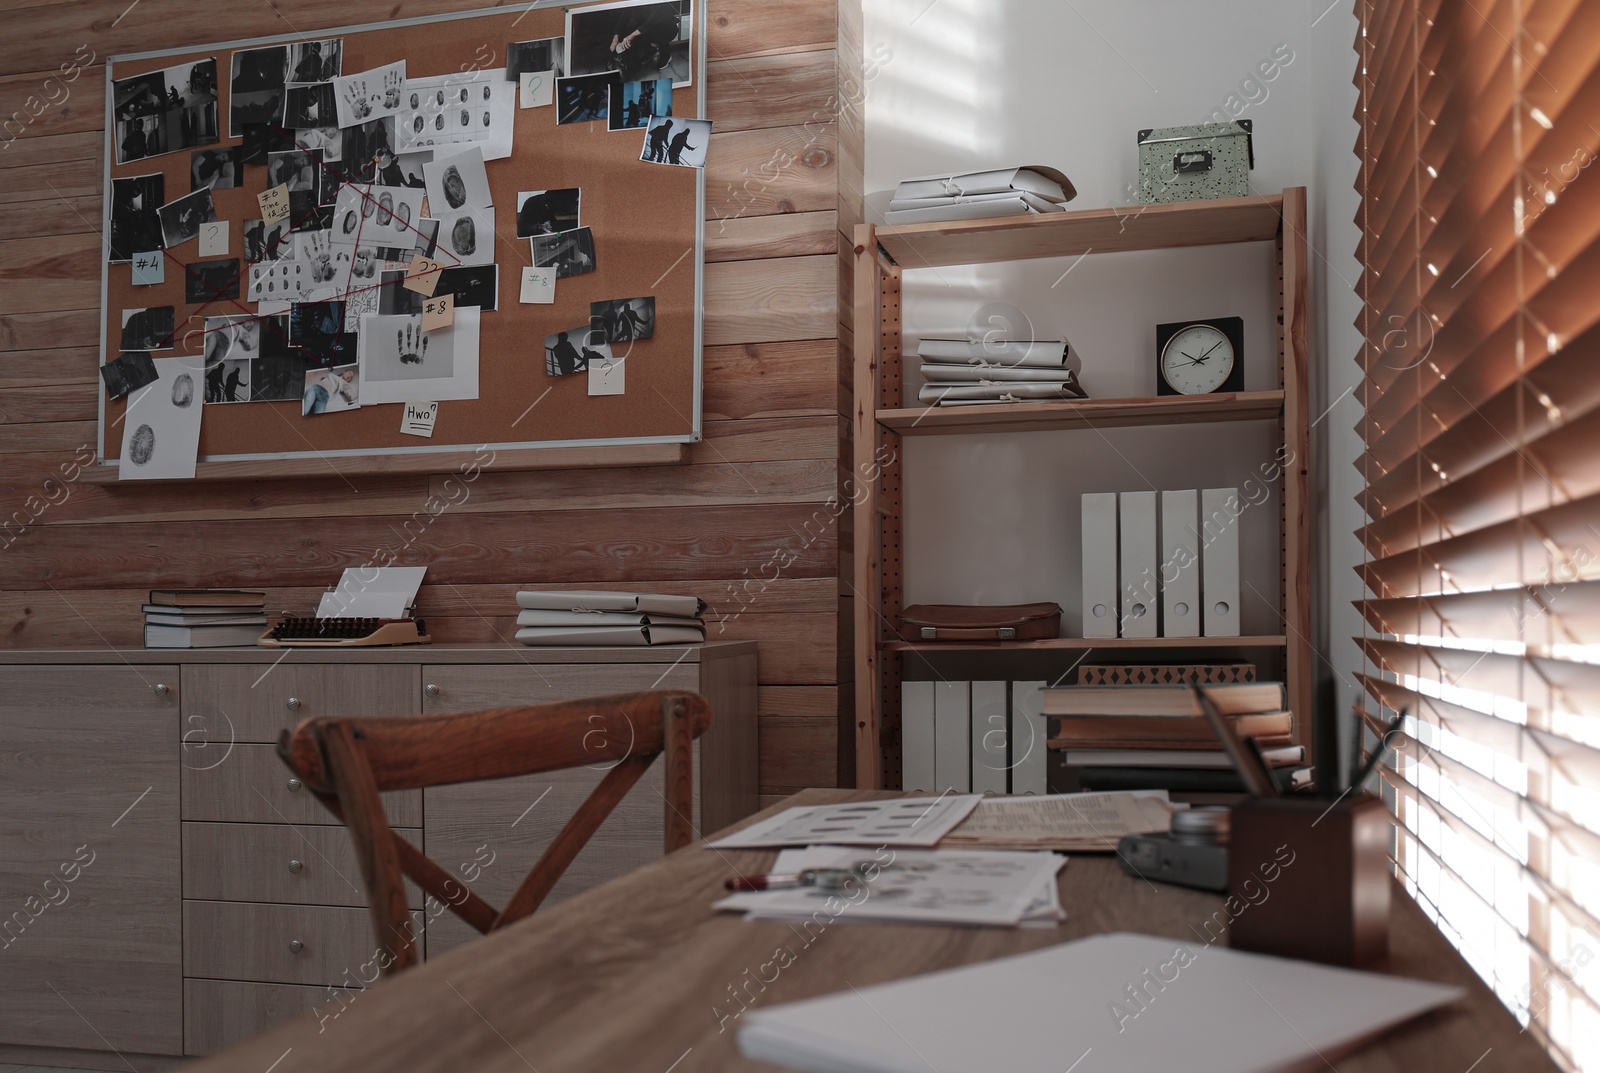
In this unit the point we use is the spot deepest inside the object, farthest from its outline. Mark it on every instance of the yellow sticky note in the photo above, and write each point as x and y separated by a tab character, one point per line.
274	203
422	275
439	311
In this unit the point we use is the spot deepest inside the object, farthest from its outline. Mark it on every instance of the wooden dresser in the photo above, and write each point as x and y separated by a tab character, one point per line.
166	888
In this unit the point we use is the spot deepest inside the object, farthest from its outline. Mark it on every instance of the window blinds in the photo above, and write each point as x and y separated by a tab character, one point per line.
1480	248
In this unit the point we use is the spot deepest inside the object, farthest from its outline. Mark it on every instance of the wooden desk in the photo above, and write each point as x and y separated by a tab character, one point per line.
636	975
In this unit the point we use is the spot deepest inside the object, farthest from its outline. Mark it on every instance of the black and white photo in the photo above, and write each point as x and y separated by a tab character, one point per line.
127	372
678	142
584	99
205	282
547	212
623	320
181	219
315	61
477	285
466	237
135	222
149	328
570	253
638	39
309	104
161	429
255	90
634	104
563	351
216	169
457	181
165	111
402	363
526	57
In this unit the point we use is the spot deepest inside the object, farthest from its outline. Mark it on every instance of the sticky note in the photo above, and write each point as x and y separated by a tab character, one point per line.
538	286
606	376
149	268
422	275
419	418
214	239
535	88
439	311
274	203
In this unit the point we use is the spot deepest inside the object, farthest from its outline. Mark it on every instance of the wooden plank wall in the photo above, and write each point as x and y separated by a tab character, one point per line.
747	525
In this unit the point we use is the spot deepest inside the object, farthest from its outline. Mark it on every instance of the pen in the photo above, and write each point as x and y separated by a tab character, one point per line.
821	878
1377	753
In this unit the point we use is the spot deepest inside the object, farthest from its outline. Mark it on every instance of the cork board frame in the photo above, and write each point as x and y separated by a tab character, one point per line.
647	223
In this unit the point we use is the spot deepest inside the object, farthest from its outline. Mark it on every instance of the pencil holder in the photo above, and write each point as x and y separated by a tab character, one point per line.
1309	878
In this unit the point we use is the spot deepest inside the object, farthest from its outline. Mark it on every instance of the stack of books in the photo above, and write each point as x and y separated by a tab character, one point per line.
204	618
1156	737
579	617
960	371
978	194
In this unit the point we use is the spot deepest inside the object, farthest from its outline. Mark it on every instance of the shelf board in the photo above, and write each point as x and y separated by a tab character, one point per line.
1067	234
1079	643
1039	416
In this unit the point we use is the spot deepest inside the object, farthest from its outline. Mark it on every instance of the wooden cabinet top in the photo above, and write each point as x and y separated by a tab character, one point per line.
406	654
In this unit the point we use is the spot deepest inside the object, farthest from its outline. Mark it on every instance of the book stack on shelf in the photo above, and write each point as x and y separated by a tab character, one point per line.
959	371
978	194
1155	737
579	617
204	618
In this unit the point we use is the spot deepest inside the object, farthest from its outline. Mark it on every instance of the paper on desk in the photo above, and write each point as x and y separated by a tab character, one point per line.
903	821
373	592
1082	822
917	886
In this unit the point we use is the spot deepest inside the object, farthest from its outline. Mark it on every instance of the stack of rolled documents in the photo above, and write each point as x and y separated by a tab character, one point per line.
580	617
961	371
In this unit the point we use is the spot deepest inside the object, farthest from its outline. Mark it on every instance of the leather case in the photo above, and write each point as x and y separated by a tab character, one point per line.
964	622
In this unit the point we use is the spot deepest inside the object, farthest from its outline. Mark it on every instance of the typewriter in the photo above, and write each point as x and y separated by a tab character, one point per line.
310	632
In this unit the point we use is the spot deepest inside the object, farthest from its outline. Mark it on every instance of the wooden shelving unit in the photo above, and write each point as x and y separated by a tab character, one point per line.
882	253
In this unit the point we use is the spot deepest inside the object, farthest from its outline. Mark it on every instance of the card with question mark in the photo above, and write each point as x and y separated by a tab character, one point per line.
536	88
214	239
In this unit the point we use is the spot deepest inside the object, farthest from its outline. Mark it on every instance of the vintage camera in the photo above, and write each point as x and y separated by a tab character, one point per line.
1193	853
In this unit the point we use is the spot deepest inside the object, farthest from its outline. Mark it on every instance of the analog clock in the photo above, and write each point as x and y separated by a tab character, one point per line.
1199	357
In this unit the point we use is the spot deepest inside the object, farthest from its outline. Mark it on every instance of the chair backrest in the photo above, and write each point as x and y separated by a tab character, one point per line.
348	762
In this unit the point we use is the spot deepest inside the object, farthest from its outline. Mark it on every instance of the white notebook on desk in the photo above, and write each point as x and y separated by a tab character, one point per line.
1207	1010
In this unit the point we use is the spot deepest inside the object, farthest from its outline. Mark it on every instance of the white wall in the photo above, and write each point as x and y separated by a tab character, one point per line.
962	84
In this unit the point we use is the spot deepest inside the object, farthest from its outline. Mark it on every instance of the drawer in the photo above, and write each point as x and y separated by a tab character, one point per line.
249	784
255	942
258	862
220	1013
224	704
448	688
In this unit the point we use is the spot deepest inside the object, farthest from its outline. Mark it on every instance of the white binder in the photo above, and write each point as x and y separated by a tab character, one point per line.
916	736
1029	737
1180	563
1140	579
1219	562
1100	564
991	719
952	736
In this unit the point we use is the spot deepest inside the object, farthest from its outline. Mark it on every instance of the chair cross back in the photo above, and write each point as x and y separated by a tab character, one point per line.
348	762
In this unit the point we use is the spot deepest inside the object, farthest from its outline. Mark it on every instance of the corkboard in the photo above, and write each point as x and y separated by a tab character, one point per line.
645	220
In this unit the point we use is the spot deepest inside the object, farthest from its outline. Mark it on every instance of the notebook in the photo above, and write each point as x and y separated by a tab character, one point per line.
1205	1009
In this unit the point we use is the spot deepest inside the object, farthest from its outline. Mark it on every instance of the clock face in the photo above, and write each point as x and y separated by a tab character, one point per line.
1197	360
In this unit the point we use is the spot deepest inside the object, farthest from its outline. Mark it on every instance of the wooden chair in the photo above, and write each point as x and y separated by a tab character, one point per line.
347	763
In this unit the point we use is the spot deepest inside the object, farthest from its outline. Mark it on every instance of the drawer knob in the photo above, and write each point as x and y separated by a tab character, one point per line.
161	689
294	785
293	704
430	691
295	946
294	865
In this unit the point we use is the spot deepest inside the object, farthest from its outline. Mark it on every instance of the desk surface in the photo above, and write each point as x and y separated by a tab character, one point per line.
640	975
